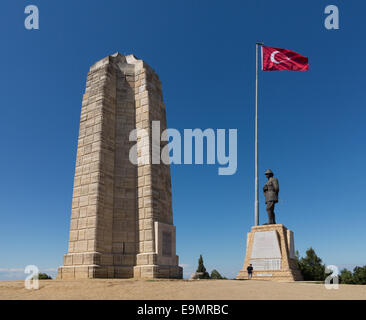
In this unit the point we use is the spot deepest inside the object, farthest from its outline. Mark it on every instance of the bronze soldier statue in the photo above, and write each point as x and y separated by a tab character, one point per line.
271	189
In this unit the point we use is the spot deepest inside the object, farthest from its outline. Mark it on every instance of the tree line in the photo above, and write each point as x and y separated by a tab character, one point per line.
312	269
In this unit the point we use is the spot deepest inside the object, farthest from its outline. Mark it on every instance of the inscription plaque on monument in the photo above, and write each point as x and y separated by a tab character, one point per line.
266	264
167	244
265	245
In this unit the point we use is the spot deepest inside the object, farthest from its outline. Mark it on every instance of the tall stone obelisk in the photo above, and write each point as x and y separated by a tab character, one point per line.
121	220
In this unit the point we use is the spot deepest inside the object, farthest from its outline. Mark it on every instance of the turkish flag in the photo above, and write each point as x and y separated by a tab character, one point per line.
274	59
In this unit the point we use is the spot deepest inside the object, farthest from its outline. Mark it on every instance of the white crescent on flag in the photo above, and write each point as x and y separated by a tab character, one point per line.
273	57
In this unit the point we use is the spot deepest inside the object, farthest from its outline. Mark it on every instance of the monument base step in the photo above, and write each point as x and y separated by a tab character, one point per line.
119	272
94	271
273	275
157	271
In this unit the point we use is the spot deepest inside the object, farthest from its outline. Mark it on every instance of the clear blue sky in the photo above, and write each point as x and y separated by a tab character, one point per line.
312	124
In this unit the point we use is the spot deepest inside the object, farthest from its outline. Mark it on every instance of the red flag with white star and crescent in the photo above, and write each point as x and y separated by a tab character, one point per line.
274	59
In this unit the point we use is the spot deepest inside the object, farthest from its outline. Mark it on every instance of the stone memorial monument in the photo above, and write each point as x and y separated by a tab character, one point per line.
270	247
121	219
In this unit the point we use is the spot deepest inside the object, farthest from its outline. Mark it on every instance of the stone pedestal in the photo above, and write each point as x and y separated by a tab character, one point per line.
163	261
270	249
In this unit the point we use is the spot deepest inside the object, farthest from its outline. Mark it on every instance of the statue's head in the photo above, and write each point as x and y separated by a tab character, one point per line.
268	173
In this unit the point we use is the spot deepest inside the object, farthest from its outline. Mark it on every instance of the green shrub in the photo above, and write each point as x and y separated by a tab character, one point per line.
346	277
359	275
43	276
216	275
311	266
201	268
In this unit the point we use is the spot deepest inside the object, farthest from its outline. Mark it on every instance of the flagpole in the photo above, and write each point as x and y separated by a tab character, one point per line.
256	201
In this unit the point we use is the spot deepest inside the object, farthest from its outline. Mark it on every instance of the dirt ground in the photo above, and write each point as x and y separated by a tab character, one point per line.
177	289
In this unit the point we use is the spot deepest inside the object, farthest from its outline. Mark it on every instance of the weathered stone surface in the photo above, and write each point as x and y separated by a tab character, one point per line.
119	208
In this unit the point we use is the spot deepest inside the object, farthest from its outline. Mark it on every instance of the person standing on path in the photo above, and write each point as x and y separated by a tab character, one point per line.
250	271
